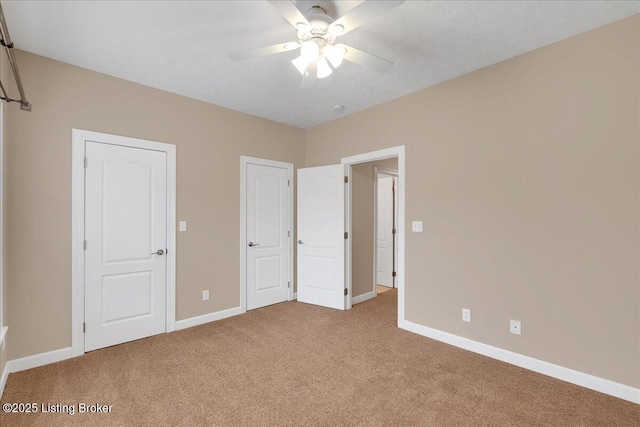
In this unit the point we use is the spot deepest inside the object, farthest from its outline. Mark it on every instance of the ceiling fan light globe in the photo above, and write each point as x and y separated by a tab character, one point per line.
301	64
335	54
309	50
324	70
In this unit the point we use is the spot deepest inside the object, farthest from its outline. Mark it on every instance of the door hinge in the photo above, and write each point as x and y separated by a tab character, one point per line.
86	161
166	251
346	292
289	233
346	235
393	274
288	183
84	328
288	284
393	231
346	179
84	245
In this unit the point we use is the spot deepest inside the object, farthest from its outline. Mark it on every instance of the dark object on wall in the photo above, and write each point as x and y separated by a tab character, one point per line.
5	41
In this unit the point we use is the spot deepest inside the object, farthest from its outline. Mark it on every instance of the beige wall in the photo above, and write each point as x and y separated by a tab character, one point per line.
4	353
525	174
362	205
362	244
209	143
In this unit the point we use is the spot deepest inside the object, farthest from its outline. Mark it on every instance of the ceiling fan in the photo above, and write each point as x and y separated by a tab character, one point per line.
317	33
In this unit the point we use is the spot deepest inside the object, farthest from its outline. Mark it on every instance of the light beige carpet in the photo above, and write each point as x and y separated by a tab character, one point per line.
381	289
297	364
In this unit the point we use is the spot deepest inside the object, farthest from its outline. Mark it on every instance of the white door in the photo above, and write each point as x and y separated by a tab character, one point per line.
126	237
384	249
267	235
321	236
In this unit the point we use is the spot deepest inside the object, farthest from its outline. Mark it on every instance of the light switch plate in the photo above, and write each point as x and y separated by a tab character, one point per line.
183	225
416	226
205	295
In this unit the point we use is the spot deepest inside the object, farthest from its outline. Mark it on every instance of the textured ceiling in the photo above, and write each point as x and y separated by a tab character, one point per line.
183	46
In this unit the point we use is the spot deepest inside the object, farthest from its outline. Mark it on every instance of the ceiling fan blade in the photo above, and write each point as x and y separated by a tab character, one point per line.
365	59
263	51
290	12
361	14
310	76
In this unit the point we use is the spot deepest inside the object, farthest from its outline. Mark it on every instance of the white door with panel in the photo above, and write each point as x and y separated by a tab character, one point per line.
385	247
267	235
126	241
321	236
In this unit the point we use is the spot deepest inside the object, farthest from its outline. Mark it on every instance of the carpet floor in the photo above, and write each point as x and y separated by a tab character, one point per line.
382	288
298	364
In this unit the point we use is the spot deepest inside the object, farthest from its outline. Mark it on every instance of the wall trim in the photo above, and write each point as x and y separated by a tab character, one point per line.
40	359
4	378
364	297
78	138
206	318
34	361
582	379
295	296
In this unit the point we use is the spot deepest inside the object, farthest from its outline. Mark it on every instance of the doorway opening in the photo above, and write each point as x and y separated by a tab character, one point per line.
365	255
373	185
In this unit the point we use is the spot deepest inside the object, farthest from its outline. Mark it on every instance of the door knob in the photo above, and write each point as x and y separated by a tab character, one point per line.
300	242
158	252
251	244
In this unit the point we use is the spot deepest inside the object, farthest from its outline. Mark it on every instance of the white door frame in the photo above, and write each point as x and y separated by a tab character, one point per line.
389	172
348	162
78	220
244	161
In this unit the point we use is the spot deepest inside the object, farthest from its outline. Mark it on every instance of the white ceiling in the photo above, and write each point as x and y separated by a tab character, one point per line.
183	46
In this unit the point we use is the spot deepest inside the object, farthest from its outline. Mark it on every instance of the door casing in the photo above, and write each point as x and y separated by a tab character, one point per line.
348	162
78	219
244	161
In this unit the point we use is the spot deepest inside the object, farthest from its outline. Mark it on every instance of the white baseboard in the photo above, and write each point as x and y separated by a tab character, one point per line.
206	318
363	297
34	361
3	379
589	381
41	359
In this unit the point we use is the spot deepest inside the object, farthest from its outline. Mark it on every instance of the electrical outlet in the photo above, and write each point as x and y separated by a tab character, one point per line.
183	225
515	327
416	226
466	315
205	295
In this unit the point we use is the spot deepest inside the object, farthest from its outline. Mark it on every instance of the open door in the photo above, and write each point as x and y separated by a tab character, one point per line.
385	227
321	236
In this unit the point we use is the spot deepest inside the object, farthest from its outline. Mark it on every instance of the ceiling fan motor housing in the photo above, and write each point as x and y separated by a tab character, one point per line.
320	23
319	19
